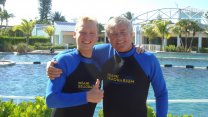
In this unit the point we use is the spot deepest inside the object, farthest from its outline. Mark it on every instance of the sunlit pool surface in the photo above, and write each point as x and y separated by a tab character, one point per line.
182	55
26	57
183	59
30	80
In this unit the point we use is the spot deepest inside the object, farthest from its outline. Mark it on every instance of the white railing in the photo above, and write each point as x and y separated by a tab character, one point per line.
184	101
152	47
17	98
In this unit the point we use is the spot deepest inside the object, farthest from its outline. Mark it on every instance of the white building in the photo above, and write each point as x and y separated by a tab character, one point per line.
63	32
38	30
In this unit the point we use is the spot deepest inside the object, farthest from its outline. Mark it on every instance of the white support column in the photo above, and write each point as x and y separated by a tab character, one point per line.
60	38
178	41
200	41
138	36
165	42
105	40
52	40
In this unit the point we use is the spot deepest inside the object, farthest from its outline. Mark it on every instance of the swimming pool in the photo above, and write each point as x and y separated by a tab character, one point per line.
183	59
26	57
30	80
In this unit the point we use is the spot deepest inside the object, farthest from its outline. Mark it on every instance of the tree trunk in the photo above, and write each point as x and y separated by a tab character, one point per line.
190	46
186	42
27	41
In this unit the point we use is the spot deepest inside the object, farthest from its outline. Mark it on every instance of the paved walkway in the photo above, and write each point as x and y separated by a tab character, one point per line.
44	52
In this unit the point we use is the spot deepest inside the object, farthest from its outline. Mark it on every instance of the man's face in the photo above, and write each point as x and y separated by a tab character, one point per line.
120	37
86	36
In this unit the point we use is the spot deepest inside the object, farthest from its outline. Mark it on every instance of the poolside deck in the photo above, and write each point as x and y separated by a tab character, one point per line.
44	52
6	63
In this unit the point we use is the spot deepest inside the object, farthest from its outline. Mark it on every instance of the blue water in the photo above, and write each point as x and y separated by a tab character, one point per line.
30	80
182	55
176	59
183	59
26	57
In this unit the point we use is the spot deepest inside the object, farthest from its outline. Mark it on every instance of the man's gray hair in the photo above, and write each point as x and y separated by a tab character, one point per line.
117	20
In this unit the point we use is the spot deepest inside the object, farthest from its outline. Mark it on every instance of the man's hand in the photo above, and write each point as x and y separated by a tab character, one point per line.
95	95
51	71
140	49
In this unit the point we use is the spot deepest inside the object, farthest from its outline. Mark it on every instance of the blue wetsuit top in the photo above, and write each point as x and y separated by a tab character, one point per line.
68	92
126	82
148	66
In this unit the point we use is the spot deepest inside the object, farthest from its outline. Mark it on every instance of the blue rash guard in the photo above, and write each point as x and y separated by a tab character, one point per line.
126	82
149	71
68	92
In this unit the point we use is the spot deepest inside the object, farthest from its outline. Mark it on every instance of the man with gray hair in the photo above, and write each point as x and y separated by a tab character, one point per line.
127	74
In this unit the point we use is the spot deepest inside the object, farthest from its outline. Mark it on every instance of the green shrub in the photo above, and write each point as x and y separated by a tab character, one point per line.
23	48
16	40
150	112
42	46
180	49
173	48
71	46
7	47
6	108
37	108
170	48
47	46
203	50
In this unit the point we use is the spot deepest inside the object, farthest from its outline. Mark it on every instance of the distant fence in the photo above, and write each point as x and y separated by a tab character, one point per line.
152	47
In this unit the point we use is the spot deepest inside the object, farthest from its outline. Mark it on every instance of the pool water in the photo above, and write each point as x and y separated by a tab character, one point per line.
176	59
182	55
30	80
26	57
183	59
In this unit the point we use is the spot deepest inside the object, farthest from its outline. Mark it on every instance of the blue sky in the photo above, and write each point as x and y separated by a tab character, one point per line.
101	9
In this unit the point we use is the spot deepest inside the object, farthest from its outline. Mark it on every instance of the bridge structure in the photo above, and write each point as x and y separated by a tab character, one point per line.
172	14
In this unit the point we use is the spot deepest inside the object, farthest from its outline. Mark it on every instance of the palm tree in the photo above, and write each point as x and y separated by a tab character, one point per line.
1	16
128	15
177	30
26	27
50	30
45	11
206	15
185	27
3	3
100	28
6	16
194	27
56	16
147	31
162	28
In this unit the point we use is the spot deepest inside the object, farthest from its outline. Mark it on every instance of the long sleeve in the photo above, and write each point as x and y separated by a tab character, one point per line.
55	98
159	87
151	67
